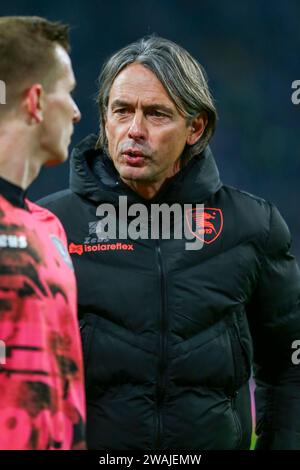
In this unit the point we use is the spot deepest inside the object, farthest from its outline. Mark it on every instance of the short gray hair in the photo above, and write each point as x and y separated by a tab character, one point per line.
181	75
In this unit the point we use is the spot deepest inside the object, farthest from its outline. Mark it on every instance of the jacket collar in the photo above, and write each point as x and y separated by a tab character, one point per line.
93	176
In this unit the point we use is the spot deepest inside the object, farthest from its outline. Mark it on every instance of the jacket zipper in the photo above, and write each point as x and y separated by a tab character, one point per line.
162	376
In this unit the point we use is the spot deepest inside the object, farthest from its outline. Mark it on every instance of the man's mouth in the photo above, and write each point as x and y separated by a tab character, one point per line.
134	157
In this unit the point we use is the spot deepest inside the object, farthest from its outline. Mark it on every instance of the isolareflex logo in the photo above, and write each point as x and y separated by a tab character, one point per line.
79	249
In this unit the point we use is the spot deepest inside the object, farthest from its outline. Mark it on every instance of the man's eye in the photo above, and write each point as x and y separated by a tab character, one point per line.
121	111
156	113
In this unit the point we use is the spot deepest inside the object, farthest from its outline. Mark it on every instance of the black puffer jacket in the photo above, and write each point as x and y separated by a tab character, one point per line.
167	332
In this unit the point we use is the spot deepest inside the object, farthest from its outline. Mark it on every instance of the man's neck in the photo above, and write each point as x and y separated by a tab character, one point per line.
148	190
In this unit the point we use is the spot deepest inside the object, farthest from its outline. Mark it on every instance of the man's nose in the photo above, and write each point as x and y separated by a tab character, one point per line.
137	130
77	114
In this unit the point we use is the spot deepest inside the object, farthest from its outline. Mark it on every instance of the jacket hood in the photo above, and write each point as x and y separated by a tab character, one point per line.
93	176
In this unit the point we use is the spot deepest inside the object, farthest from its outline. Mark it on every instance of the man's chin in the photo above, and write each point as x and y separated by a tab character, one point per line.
55	160
133	174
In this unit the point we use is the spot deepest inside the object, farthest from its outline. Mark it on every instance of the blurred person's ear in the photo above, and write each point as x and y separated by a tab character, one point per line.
34	103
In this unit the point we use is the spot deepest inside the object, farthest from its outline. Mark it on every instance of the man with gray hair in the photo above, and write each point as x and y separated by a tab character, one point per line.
170	334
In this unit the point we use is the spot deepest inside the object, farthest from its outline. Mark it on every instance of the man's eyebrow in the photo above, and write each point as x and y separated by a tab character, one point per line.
147	107
120	103
159	106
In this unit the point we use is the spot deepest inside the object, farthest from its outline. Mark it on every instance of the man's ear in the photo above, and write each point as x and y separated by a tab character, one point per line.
34	102
196	128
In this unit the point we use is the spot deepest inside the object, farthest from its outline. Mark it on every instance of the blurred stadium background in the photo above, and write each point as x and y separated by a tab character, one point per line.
250	51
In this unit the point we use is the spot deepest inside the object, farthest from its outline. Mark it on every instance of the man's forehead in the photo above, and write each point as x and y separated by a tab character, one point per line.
65	63
62	55
137	81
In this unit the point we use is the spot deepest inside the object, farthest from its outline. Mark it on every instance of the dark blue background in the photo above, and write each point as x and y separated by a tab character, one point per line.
250	50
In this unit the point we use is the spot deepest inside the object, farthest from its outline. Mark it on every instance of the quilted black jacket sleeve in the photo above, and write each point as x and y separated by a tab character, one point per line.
274	318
